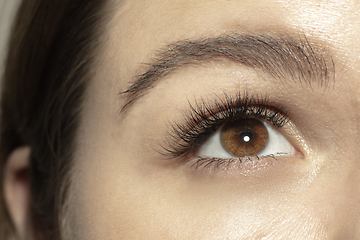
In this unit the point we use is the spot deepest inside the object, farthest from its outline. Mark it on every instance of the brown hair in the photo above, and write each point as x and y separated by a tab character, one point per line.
51	51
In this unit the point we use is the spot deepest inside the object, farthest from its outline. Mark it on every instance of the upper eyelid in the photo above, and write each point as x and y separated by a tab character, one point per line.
232	104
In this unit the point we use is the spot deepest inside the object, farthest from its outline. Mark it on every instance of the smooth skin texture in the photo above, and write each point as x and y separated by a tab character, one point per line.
122	188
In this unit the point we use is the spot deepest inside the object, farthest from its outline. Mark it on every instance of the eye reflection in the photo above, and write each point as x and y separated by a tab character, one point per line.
244	137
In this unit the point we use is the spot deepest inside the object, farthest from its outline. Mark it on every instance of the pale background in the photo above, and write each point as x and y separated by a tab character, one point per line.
7	12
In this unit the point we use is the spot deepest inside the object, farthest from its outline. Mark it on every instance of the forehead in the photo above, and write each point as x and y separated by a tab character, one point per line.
141	28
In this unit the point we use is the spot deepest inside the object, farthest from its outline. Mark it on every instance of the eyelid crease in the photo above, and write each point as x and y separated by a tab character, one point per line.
205	117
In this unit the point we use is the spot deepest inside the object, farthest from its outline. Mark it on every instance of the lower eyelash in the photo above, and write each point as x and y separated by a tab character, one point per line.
205	118
223	163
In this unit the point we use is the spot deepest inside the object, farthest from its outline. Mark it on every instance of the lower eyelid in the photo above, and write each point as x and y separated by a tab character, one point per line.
244	166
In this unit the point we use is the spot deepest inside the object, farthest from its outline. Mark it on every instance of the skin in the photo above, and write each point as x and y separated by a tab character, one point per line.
122	188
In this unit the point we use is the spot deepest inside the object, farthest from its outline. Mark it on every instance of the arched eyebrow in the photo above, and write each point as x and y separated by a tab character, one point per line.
281	57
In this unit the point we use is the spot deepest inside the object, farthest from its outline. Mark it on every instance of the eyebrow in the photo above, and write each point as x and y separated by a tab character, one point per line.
282	57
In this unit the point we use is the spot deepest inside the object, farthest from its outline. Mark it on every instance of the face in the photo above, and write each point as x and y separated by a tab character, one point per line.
243	125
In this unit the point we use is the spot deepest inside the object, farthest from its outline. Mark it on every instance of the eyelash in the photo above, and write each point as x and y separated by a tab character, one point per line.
205	118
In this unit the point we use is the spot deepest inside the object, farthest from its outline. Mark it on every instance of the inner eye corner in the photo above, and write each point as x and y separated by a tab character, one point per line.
298	153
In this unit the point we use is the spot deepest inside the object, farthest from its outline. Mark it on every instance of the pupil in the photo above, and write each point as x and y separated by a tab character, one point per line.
246	136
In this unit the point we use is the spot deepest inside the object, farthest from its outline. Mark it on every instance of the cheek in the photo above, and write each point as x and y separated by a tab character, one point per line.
114	195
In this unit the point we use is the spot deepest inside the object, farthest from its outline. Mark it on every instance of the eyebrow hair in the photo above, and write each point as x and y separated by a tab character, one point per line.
279	56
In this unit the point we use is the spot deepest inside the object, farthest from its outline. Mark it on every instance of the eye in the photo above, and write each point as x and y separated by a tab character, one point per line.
228	129
246	137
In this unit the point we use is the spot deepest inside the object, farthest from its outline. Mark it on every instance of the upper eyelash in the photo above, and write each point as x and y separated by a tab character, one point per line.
204	118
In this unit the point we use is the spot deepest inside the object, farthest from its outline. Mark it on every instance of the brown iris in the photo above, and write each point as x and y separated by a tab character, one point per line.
244	137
